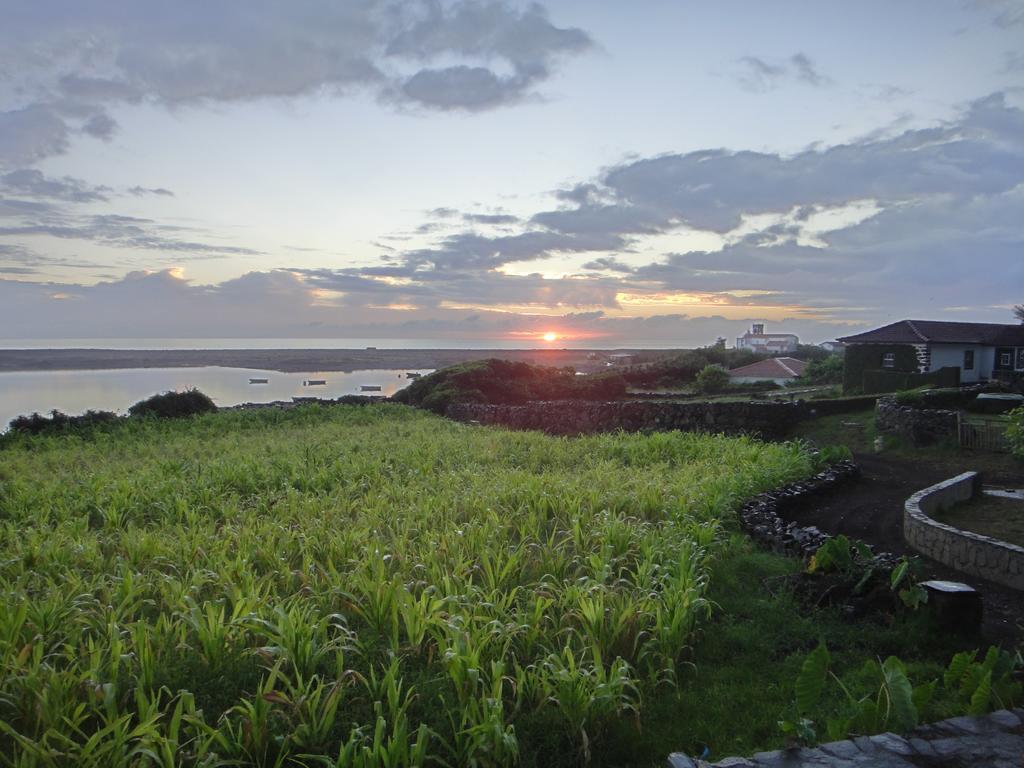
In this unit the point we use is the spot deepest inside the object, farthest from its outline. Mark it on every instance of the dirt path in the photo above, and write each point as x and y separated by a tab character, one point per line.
871	509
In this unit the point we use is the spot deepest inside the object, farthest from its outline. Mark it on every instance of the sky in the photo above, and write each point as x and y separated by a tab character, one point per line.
655	173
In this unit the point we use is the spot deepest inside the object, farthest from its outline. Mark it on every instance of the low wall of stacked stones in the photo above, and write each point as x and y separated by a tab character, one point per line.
771	421
995	739
967	552
919	426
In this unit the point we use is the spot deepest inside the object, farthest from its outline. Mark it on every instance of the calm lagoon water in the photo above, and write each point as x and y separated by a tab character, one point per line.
74	392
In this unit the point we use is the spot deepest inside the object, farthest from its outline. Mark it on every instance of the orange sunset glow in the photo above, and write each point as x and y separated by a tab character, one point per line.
550	336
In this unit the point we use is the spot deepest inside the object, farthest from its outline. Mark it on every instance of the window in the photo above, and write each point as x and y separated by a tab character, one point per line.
968	359
889	360
1004	359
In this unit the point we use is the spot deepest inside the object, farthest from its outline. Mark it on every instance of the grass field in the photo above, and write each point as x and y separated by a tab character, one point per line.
363	586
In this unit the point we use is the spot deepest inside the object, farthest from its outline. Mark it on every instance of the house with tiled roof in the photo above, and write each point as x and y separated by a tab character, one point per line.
781	370
968	352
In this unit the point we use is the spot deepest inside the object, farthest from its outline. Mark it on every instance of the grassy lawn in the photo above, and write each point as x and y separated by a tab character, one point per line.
378	586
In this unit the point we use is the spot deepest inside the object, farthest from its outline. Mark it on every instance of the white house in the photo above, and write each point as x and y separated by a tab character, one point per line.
767	343
981	351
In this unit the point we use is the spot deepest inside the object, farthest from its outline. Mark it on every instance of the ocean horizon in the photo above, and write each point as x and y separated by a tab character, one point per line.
130	343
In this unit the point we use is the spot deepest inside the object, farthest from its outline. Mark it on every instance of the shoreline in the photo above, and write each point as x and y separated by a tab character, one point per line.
300	360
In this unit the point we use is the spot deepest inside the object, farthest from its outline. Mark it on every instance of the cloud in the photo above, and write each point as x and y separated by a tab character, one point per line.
143	191
30	134
526	41
32	183
288	304
70	65
857	233
759	75
22	219
1006	13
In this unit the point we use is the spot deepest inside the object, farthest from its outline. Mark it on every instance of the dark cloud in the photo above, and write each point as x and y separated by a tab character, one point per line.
980	153
490	218
525	40
30	134
76	63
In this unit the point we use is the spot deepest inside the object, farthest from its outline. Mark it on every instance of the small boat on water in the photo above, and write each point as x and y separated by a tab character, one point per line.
314	382
412	375
370	388
258	381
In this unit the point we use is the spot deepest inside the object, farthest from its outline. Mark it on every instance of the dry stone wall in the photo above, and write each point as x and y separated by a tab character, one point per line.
577	417
919	426
966	551
995	740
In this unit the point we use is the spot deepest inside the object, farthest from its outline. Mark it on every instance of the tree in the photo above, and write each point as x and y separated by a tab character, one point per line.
712	378
1018	312
827	371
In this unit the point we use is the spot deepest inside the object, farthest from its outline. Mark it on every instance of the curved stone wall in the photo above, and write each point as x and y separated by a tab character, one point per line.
965	551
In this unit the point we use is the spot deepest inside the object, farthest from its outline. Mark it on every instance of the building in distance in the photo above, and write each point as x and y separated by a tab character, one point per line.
756	340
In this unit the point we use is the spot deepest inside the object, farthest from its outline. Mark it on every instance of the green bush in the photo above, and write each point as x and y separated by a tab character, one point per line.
173	405
1015	432
505	382
60	422
910	397
826	371
712	378
684	368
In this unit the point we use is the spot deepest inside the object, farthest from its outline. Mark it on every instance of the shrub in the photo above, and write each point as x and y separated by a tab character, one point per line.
1015	432
826	371
712	378
502	381
684	368
60	422
172	405
913	398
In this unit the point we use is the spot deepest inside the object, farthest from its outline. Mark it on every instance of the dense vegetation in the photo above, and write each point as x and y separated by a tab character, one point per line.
1015	432
364	586
167	405
174	405
351	582
503	381
827	370
684	368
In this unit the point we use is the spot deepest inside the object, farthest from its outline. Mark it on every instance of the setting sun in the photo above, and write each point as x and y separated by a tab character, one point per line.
550	336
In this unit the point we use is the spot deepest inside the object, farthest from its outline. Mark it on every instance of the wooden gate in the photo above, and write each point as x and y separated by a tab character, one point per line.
983	434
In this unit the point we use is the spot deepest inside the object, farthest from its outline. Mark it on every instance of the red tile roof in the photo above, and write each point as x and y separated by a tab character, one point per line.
772	368
941	332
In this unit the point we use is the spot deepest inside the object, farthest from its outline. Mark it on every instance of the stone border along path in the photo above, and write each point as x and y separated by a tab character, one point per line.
966	551
995	740
760	518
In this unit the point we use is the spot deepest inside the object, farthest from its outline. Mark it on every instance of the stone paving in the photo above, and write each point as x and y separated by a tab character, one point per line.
995	740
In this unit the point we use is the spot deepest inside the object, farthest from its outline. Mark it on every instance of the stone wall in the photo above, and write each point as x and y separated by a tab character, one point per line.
575	417
994	740
965	551
919	426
